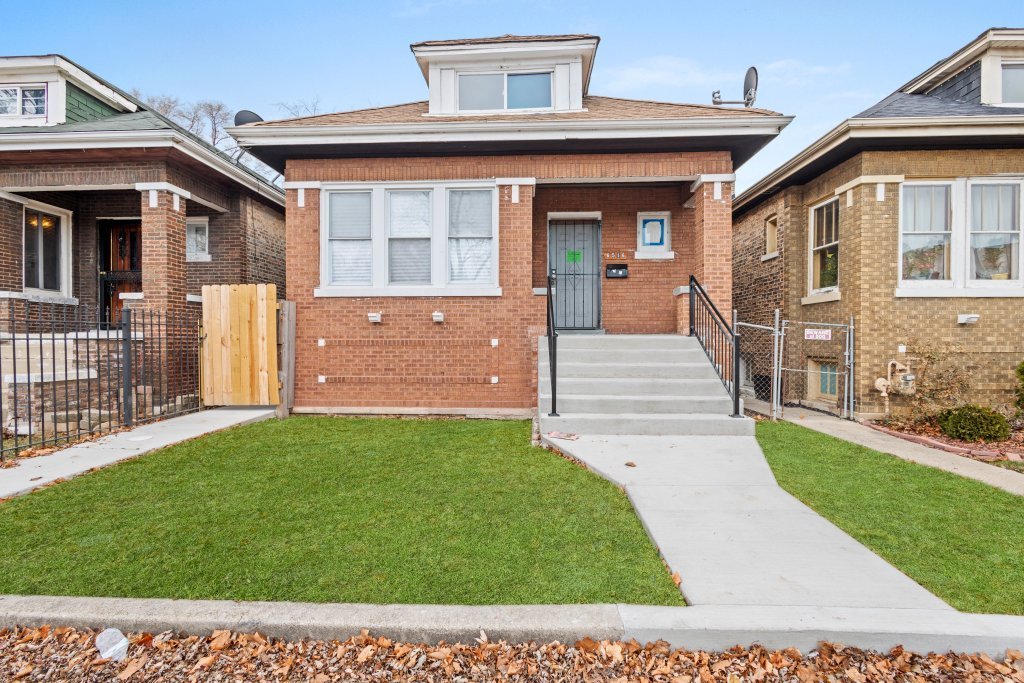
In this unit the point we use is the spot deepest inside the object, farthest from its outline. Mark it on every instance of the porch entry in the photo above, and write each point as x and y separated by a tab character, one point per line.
574	253
120	264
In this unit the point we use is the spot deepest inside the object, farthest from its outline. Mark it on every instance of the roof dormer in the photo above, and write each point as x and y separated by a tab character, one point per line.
47	90
507	74
989	70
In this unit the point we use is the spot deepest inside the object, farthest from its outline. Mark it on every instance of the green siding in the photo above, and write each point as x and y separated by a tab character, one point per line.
82	106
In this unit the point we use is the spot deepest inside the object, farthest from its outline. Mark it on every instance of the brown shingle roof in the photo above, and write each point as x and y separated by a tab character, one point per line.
507	38
596	109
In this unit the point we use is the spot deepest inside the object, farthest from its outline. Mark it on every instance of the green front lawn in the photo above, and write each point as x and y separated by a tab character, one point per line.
338	510
960	539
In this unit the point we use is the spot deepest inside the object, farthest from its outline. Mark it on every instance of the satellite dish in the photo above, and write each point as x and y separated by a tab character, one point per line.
749	91
245	116
750	87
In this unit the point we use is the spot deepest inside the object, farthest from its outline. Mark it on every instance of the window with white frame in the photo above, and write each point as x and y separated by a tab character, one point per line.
22	100
926	231
654	234
45	251
197	239
1013	83
349	239
503	90
995	232
411	239
824	266
962	234
470	236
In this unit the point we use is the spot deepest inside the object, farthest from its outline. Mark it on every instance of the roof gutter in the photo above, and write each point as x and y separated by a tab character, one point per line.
880	128
256	136
137	140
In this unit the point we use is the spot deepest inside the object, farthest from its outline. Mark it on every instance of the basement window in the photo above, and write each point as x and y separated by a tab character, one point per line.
22	100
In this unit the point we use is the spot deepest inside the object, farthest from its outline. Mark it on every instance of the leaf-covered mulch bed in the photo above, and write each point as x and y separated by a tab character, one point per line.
36	654
1012	449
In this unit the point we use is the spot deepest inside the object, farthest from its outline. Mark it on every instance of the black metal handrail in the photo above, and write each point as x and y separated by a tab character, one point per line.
552	344
721	343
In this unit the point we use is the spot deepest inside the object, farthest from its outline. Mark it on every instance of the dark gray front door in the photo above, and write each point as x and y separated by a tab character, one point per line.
574	252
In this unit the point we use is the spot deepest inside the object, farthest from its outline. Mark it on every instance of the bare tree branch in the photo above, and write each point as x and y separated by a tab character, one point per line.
300	108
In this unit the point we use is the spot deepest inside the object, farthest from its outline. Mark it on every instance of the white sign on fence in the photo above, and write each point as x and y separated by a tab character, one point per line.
818	335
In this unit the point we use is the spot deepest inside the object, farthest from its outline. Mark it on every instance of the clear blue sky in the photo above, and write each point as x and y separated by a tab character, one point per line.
819	61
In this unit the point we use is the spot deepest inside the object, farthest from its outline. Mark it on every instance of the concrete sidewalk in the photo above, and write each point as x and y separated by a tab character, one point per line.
858	433
31	473
713	508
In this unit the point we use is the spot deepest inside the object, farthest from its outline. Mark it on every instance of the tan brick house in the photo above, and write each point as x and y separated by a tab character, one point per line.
907	217
103	201
418	234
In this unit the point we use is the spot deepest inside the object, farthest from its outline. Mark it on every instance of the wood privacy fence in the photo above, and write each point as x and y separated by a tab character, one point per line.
240	345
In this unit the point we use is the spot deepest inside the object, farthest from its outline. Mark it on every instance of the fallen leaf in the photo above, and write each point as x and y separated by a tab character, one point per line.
677	579
132	668
220	640
630	463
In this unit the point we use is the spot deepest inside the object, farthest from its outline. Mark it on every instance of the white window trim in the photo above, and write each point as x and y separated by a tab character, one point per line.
379	237
504	89
960	284
998	81
65	249
656	253
812	291
21	87
198	256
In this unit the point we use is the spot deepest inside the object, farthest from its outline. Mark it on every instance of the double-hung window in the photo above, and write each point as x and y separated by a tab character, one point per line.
995	232
349	241
824	270
961	237
501	91
409	239
409	230
470	236
197	239
1013	83
22	100
927	233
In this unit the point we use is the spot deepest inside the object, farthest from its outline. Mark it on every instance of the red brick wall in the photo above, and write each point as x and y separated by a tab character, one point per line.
643	302
412	363
11	227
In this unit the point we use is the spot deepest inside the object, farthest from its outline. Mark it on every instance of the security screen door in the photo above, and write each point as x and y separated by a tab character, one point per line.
574	248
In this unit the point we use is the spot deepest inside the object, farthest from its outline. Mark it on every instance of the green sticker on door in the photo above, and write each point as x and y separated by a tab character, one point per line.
573	256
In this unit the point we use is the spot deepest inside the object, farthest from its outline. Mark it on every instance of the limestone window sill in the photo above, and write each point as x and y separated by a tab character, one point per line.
820	298
769	257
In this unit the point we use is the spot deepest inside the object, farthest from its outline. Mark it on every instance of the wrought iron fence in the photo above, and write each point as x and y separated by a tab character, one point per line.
66	374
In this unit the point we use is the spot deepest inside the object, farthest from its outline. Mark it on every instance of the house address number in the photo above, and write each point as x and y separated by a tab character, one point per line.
615	254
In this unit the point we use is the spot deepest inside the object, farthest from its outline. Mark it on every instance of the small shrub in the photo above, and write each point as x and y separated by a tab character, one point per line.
974	423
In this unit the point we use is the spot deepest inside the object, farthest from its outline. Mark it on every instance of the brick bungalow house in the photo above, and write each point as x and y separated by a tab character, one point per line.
104	201
418	234
908	217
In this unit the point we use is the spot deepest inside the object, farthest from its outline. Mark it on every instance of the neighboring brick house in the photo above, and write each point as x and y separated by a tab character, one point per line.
907	217
417	234
104	201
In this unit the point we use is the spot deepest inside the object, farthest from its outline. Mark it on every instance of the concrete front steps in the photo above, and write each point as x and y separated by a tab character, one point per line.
635	384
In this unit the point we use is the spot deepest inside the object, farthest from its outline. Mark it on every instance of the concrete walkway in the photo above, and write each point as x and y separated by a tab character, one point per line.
858	433
719	518
31	473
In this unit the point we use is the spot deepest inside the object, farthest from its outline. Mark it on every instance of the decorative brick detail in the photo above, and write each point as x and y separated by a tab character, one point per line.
410	362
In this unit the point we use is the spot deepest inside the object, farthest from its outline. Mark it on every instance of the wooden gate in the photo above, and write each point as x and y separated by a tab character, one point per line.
239	354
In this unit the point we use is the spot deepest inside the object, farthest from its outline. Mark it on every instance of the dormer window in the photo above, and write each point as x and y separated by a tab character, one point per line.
1013	83
502	91
19	100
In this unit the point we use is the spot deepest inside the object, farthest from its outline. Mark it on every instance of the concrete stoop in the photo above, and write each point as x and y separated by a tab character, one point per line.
703	627
635	384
